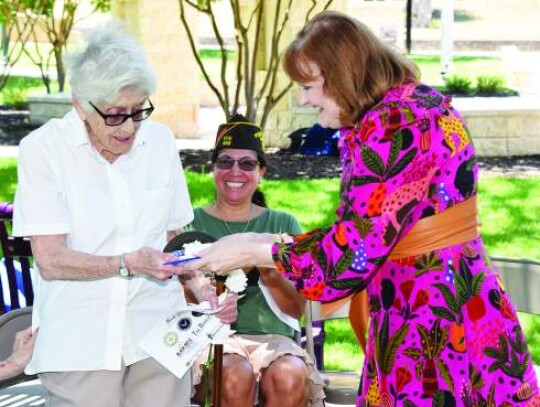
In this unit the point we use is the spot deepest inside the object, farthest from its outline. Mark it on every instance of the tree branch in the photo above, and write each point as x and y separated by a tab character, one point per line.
224	59
252	105
274	59
197	57
271	102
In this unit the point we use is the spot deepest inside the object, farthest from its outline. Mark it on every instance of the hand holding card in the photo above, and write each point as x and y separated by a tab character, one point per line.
185	246
180	260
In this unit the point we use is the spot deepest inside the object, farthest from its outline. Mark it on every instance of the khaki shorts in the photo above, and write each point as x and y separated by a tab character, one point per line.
145	383
261	351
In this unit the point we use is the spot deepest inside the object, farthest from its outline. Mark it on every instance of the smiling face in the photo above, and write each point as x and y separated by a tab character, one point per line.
312	94
235	186
113	141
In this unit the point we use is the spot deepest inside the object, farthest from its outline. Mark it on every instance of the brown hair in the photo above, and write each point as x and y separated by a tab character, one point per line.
358	68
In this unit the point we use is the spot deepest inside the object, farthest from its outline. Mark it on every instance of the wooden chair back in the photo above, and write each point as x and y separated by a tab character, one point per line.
16	253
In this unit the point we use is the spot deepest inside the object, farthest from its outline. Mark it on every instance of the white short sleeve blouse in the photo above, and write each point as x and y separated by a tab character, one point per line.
66	187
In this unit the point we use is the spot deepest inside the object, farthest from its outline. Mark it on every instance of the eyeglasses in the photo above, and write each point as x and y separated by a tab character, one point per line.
118	119
245	164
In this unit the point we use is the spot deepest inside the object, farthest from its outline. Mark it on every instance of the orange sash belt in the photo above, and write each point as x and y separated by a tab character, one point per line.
455	225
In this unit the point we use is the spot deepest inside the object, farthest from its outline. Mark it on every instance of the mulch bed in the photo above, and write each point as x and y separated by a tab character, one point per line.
284	165
281	165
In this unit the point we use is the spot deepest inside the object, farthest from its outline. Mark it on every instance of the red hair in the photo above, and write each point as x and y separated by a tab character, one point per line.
358	68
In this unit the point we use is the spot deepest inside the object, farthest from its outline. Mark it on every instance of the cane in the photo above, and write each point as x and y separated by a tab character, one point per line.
218	351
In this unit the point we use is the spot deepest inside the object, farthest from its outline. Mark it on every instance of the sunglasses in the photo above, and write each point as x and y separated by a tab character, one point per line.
245	164
120	118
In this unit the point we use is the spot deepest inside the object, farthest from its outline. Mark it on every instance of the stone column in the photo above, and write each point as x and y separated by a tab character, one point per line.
157	26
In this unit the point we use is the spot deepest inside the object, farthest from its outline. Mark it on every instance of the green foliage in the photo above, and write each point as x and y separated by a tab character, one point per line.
9	8
341	347
102	5
509	209
457	84
56	19
459	15
8	179
489	85
531	329
463	65
46	7
209	53
17	90
14	97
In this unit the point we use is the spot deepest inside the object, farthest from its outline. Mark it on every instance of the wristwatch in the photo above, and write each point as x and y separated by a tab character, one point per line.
123	271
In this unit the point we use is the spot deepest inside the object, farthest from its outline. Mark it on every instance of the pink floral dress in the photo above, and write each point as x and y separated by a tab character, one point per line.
443	331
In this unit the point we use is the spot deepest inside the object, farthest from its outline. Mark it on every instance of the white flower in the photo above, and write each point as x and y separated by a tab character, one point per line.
236	281
191	249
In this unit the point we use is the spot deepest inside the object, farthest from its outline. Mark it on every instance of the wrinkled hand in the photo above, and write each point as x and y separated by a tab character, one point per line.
150	262
229	311
23	348
234	252
207	293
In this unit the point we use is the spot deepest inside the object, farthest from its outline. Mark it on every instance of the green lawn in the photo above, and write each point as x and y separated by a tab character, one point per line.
466	66
509	208
509	211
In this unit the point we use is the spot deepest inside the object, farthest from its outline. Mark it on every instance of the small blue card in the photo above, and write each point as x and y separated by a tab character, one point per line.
180	260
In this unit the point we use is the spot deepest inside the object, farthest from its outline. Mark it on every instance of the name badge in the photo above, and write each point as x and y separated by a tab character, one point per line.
177	341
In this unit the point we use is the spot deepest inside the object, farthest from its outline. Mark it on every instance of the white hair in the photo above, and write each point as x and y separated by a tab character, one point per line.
110	62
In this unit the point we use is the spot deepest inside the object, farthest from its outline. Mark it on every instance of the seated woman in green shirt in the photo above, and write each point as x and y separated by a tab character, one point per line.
261	361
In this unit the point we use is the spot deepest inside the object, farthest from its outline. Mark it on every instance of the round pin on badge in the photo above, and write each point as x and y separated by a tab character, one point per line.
184	323
171	338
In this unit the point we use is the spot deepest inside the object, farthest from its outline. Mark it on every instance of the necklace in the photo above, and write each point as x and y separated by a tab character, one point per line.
222	218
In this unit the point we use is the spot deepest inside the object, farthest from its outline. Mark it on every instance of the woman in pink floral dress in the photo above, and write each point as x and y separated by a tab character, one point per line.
443	331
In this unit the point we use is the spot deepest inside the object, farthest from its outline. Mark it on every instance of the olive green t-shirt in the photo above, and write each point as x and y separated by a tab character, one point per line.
254	315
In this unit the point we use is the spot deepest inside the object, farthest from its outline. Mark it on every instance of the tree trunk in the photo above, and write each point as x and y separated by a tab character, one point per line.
60	68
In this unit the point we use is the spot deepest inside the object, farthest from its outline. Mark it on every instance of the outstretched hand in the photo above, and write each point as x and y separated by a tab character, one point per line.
233	252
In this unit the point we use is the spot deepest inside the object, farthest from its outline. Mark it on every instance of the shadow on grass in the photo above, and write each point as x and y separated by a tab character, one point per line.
509	211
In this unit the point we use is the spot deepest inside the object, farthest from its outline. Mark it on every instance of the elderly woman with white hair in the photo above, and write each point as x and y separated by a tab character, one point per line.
100	193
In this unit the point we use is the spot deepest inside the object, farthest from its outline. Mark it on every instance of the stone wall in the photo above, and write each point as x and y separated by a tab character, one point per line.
500	127
45	107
